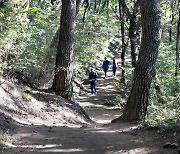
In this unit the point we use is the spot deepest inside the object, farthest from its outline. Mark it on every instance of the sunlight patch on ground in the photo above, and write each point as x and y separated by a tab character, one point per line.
40	146
88	104
107	89
105	131
49	148
133	151
65	150
109	86
23	135
137	141
103	121
116	129
127	129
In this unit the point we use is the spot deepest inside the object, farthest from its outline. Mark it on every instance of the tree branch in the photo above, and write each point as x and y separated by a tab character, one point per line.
118	16
136	9
86	9
126	9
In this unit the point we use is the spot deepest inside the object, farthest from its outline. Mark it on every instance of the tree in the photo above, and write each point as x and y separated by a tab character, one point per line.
136	107
172	6
133	28
62	83
55	40
177	67
121	15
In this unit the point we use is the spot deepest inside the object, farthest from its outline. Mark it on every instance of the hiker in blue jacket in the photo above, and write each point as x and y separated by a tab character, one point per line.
105	66
93	80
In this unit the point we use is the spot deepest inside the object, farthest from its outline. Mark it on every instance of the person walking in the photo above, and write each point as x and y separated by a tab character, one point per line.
114	66
93	80
105	66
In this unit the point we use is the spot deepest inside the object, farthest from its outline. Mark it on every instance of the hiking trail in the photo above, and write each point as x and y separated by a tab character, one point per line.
101	137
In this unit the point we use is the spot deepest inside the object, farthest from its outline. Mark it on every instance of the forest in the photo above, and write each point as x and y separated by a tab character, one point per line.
47	48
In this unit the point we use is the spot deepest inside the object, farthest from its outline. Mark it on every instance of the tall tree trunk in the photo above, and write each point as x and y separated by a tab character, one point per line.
95	5
79	3
121	15
132	28
55	40
137	102
172	20
177	67
133	39
139	33
62	83
87	2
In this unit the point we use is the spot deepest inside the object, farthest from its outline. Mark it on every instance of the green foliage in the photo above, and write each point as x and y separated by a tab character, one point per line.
119	101
166	68
26	96
25	36
94	41
102	34
166	115
170	14
6	138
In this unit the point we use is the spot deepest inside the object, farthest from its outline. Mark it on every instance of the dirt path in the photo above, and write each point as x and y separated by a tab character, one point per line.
100	138
100	106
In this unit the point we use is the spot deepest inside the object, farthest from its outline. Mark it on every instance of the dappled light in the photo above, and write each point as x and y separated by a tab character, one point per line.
100	106
66	136
107	139
138	150
89	77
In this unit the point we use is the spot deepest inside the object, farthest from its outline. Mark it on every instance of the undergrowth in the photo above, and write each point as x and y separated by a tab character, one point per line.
165	117
6	138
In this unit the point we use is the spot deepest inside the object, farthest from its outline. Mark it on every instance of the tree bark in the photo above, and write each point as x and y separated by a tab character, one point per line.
79	3
158	90
177	67
121	15
62	83
172	6
133	39
55	40
95	5
132	29
136	107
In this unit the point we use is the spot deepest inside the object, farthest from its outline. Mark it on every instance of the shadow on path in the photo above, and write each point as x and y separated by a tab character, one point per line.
99	138
109	139
100	107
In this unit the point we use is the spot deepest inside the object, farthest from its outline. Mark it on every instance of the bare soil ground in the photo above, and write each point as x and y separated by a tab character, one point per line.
48	124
